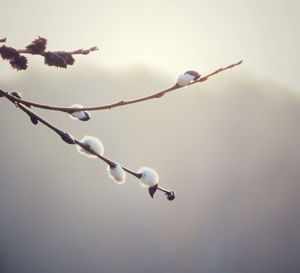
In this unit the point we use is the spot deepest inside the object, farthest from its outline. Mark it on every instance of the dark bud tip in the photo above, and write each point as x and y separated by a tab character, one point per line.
67	138
19	63
67	57
34	120
152	190
37	46
86	117
170	195
16	94
53	59
193	73
8	53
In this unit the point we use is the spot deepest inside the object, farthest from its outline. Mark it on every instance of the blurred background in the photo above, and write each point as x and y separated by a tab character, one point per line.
229	147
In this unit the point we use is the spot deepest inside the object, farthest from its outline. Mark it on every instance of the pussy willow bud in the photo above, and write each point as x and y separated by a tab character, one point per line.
93	144
116	173
81	115
67	138
149	177
170	195
16	94
187	77
34	120
193	73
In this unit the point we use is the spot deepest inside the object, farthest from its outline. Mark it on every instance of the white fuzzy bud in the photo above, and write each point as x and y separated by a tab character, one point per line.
187	77
116	173
93	143
149	177
81	115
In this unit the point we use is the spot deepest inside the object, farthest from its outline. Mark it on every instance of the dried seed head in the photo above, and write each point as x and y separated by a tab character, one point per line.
8	53
37	46
53	59
19	63
67	57
16	94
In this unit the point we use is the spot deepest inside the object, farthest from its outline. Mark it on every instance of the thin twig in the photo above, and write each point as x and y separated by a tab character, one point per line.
78	51
81	144
117	104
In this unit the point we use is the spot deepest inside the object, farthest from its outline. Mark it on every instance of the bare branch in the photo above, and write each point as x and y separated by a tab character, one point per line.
78	51
120	103
85	51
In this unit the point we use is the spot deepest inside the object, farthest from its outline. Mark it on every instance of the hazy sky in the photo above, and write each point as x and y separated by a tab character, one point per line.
229	147
172	35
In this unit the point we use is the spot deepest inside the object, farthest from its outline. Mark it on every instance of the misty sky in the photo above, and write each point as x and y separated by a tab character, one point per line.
170	35
229	147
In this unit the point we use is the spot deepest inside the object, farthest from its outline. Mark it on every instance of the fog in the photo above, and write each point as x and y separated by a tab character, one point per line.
229	147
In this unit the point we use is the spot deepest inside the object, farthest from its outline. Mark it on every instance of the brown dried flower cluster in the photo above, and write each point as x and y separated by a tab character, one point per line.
16	60
37	47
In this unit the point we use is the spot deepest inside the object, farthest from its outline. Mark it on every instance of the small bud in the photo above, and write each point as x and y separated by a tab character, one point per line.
53	59
170	195
37	46
81	115
152	190
16	94
19	63
67	138
116	173
92	143
34	120
149	177
187	77
8	53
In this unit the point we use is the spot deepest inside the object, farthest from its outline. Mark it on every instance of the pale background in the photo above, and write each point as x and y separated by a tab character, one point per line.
229	147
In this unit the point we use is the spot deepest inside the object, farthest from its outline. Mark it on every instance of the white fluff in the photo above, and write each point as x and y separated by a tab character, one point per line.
149	177
185	79
94	143
117	174
78	114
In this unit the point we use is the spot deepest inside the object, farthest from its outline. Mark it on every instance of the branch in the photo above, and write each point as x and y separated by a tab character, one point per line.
117	104
70	140
78	51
